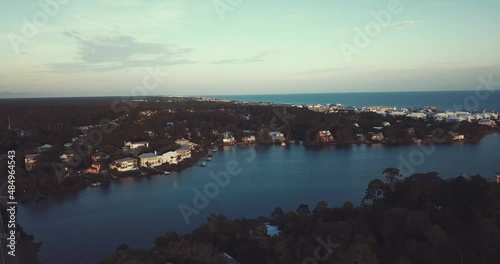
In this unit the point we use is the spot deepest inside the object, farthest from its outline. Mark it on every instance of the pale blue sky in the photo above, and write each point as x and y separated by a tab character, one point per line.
97	47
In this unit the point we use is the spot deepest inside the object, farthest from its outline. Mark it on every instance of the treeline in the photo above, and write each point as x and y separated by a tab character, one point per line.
421	219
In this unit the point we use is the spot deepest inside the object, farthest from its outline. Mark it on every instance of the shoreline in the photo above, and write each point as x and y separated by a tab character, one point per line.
200	155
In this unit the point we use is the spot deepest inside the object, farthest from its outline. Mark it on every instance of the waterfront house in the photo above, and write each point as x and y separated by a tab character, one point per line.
248	139
277	136
228	138
456	137
125	164
171	157
185	142
30	161
95	168
99	156
377	136
184	152
136	145
325	136
150	160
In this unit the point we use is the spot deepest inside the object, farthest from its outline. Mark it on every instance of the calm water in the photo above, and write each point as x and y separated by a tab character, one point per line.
455	100
84	226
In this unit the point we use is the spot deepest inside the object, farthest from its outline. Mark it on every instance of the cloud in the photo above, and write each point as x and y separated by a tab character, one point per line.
408	23
256	58
117	51
335	70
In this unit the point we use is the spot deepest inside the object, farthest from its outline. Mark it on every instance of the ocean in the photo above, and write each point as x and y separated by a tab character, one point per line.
449	100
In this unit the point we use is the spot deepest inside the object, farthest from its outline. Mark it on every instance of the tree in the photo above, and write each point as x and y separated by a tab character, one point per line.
303	210
374	191
164	240
277	213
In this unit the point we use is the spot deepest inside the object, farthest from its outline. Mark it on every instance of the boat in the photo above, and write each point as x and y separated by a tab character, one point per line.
209	159
203	164
95	184
143	173
215	150
283	143
113	177
166	172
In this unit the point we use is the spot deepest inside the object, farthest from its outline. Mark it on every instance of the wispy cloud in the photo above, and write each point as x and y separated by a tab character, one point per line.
408	23
336	70
256	58
117	51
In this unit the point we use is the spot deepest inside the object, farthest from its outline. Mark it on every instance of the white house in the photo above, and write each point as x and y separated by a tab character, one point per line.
397	113
184	152
150	160
277	136
228	138
417	115
455	136
487	122
455	119
249	139
171	157
125	164
136	145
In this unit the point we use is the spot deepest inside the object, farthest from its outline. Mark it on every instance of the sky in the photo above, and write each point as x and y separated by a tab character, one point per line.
219	47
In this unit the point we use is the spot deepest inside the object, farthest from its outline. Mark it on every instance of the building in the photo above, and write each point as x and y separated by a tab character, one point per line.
417	115
487	122
277	136
43	148
455	119
136	145
185	142
184	152
99	156
171	157
325	136
150	160
95	168
455	136
125	164
248	139
30	161
182	142
228	138
498	178
377	136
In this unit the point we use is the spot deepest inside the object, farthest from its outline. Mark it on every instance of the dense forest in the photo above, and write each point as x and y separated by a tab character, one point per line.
420	219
